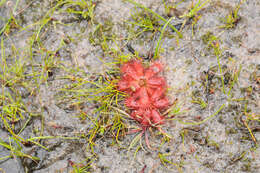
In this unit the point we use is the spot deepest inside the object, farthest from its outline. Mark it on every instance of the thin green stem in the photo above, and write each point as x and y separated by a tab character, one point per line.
160	38
206	119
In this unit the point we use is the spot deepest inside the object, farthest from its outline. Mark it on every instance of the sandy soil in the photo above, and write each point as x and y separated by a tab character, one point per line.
221	144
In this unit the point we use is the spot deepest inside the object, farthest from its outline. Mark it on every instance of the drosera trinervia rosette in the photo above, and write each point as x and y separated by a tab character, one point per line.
145	91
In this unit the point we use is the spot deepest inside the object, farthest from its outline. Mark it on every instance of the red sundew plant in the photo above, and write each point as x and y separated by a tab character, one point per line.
146	93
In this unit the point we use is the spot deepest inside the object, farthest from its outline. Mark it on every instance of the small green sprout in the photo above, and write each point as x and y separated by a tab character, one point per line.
199	101
165	161
232	19
193	11
86	9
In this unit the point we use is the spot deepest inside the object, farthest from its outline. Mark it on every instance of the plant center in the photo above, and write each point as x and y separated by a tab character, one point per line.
142	82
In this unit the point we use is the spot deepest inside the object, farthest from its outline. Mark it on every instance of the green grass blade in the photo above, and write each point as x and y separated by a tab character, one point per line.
206	119
156	14
160	38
